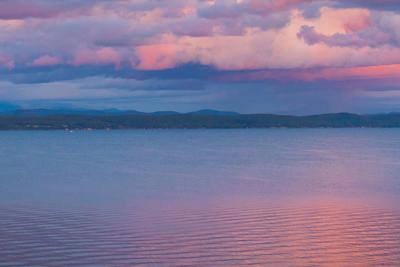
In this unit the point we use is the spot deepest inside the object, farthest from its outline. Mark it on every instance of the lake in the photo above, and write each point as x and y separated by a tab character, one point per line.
275	197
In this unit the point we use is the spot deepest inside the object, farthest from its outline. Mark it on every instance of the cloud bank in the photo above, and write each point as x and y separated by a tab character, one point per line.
256	47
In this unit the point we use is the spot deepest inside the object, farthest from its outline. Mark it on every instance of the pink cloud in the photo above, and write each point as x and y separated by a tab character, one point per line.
22	9
102	56
12	23
262	36
17	9
353	73
258	50
235	9
47	60
363	22
352	27
371	38
158	56
369	72
274	5
6	61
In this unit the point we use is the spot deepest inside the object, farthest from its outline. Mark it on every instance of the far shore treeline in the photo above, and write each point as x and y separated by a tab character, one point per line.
57	120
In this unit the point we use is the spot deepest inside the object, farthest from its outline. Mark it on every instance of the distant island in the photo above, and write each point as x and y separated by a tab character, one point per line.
47	119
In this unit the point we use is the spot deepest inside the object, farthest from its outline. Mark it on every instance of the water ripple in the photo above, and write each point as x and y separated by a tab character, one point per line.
254	236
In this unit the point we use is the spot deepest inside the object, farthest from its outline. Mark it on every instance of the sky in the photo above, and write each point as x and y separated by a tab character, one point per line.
250	56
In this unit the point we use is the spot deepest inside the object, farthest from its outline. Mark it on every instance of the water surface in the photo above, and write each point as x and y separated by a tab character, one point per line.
277	197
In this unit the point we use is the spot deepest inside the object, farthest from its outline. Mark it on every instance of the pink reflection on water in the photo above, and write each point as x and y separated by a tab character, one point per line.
318	233
327	232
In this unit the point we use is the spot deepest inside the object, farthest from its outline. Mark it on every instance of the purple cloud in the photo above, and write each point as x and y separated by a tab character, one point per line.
157	51
370	38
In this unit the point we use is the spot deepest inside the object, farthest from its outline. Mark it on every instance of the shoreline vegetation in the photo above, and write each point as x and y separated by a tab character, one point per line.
209	119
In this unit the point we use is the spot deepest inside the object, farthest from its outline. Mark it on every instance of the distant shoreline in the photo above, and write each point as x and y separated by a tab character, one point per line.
194	121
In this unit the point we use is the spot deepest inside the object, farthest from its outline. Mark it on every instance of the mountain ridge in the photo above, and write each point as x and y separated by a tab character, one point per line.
95	112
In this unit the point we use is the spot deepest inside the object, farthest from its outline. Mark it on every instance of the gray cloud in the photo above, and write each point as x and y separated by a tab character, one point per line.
370	38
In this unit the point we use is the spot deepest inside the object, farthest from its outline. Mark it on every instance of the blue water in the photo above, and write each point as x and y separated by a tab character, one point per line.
329	189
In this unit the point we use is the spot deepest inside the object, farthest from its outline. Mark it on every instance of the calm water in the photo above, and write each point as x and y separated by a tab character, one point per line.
275	197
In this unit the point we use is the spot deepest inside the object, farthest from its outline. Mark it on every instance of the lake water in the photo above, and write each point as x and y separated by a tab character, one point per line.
275	197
